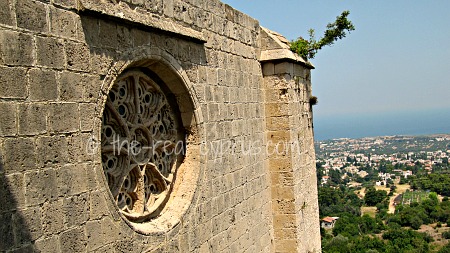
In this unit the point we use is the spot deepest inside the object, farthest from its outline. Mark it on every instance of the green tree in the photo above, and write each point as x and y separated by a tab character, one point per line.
374	197
335	31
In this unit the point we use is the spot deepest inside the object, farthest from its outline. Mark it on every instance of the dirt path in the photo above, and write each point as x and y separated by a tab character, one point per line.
391	203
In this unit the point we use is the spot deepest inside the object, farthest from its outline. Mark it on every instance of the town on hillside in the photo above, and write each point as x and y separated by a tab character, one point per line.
387	157
384	194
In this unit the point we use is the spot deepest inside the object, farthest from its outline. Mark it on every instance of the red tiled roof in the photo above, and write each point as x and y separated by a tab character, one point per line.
328	219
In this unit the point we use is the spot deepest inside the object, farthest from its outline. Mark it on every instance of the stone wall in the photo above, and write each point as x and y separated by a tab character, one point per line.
59	61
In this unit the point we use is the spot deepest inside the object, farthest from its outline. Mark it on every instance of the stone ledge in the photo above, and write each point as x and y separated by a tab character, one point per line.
276	48
138	17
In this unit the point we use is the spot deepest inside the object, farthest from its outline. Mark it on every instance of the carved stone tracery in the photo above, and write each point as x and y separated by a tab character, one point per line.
139	146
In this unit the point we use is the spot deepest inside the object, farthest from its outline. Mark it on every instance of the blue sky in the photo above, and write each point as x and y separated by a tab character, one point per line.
396	61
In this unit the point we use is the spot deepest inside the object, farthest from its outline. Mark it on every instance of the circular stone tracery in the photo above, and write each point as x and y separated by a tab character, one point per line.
139	146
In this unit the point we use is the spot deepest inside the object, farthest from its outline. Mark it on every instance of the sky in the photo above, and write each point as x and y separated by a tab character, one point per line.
395	64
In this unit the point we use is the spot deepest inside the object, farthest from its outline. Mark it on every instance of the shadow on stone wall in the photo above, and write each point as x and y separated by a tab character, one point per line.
111	43
14	227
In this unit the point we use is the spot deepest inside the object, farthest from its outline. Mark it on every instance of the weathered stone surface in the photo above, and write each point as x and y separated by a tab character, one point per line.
63	23
13	82
50	52
16	48
66	3
52	217
5	12
40	186
71	180
8	124
18	154
76	209
6	231
48	244
31	15
43	85
64	117
71	86
29	218
77	56
32	118
73	240
61	60
52	150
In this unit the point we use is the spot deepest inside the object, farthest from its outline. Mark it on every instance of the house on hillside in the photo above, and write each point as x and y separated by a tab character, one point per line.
328	222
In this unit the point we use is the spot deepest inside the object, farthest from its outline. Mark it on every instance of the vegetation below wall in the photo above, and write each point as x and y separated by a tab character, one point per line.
420	222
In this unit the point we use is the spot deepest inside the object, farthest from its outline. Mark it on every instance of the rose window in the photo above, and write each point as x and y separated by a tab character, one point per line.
139	146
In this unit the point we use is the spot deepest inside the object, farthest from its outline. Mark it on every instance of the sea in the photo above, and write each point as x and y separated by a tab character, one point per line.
436	121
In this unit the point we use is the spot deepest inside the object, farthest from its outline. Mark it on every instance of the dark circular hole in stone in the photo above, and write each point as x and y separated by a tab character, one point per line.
128	201
122	110
110	163
108	132
161	129
160	167
147	98
122	92
152	188
126	183
112	96
119	198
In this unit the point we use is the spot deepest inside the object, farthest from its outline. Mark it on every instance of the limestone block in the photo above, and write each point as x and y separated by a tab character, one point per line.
5	12
94	234
64	117
168	8
76	209
47	244
40	186
16	48
124	38
8	121
87	115
43	85
73	240
107	35
98	206
32	119
27	225
66	3
140	37
6	231
286	246
12	192
77	56
63	23
52	150
268	69
12	82
71	86
71	180
18	154
284	68
277	109
31	15
102	60
50	52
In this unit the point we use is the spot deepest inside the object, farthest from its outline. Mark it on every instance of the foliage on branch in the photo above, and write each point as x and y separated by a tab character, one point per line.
335	31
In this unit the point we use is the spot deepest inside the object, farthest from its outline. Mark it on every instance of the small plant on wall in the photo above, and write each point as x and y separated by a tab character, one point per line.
335	31
313	100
